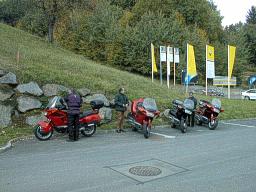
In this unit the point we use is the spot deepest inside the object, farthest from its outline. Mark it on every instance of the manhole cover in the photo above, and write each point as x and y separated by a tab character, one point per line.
145	171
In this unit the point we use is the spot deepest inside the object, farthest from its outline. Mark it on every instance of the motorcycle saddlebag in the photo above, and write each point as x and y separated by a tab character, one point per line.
97	104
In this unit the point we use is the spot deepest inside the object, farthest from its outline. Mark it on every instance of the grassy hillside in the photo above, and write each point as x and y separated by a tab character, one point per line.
46	63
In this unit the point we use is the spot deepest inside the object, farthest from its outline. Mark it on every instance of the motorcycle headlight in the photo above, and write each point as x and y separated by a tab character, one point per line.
150	114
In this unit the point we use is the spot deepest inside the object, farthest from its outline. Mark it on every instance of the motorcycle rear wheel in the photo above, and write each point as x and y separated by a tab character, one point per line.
89	131
198	122
213	124
173	125
183	125
42	136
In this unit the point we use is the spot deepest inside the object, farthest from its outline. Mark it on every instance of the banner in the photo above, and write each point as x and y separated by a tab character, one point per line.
210	65
176	55
169	59
231	59
191	63
162	54
153	58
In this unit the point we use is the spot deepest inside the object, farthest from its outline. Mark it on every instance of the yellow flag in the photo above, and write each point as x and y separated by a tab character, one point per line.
231	59
191	63
153	58
210	53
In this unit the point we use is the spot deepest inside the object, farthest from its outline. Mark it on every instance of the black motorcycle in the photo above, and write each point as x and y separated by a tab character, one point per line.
180	112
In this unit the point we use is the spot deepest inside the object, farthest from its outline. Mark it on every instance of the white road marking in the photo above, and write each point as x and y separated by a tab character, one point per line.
250	126
165	136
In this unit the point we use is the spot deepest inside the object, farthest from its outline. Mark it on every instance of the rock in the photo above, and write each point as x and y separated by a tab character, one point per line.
33	120
53	89
5	93
26	103
105	113
101	97
31	88
84	92
166	113
5	115
2	73
16	114
9	78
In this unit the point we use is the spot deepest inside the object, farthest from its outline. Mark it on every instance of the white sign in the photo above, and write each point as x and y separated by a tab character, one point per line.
223	80
169	59
169	54
162	54
176	55
210	69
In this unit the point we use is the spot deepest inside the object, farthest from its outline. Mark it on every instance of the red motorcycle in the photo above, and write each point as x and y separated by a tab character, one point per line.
143	111
208	113
57	119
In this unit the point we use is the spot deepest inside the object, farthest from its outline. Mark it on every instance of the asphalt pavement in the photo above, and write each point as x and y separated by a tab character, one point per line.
198	161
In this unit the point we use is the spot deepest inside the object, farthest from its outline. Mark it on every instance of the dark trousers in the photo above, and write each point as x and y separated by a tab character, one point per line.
191	119
73	126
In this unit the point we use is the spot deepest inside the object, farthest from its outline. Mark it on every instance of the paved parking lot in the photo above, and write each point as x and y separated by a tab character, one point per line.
200	160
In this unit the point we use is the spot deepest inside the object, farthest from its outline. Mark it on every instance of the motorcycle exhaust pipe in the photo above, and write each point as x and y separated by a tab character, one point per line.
174	120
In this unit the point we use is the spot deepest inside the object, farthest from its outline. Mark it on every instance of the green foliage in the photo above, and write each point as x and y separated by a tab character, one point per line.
251	16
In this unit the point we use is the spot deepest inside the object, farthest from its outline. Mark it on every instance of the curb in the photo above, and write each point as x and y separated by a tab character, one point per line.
10	143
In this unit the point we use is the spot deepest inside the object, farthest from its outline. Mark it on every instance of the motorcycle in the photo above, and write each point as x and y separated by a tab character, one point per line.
208	113
57	119
180	112
143	111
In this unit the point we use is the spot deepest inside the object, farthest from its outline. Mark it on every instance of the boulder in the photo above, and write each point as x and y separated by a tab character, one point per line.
105	113
5	115
33	120
2	73
84	92
101	97
9	78
31	88
26	103
5	93
53	89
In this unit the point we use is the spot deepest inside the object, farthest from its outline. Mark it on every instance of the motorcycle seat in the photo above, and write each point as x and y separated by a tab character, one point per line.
87	113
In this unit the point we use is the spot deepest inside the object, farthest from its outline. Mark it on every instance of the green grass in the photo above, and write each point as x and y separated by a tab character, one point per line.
47	63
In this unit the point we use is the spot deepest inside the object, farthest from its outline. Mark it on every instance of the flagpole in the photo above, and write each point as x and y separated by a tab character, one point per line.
206	83
152	63
187	72
167	76
174	68
228	72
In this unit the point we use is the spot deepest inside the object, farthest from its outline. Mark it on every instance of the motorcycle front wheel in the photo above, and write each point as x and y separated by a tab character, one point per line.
213	124
40	135
183	125
146	129
88	131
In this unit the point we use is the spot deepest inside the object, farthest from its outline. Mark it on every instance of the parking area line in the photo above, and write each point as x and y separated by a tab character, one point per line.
163	135
241	125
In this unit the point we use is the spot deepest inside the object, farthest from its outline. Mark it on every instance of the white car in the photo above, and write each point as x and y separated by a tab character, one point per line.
249	94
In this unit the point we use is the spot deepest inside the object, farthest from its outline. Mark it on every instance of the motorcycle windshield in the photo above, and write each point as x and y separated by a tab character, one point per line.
216	103
53	102
188	104
150	104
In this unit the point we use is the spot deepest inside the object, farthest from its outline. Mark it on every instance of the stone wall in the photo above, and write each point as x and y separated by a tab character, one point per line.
26	99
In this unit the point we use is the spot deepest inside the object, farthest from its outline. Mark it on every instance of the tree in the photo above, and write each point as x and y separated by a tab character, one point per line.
250	35
251	16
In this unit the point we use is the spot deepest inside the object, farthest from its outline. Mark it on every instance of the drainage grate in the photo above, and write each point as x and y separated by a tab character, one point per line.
145	171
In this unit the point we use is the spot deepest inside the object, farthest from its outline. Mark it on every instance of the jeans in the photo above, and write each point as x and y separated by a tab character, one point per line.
73	126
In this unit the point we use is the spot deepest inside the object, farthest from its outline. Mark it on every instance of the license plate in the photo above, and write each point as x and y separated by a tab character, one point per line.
188	112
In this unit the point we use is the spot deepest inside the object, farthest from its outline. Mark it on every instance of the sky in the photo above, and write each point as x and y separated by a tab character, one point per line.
234	10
